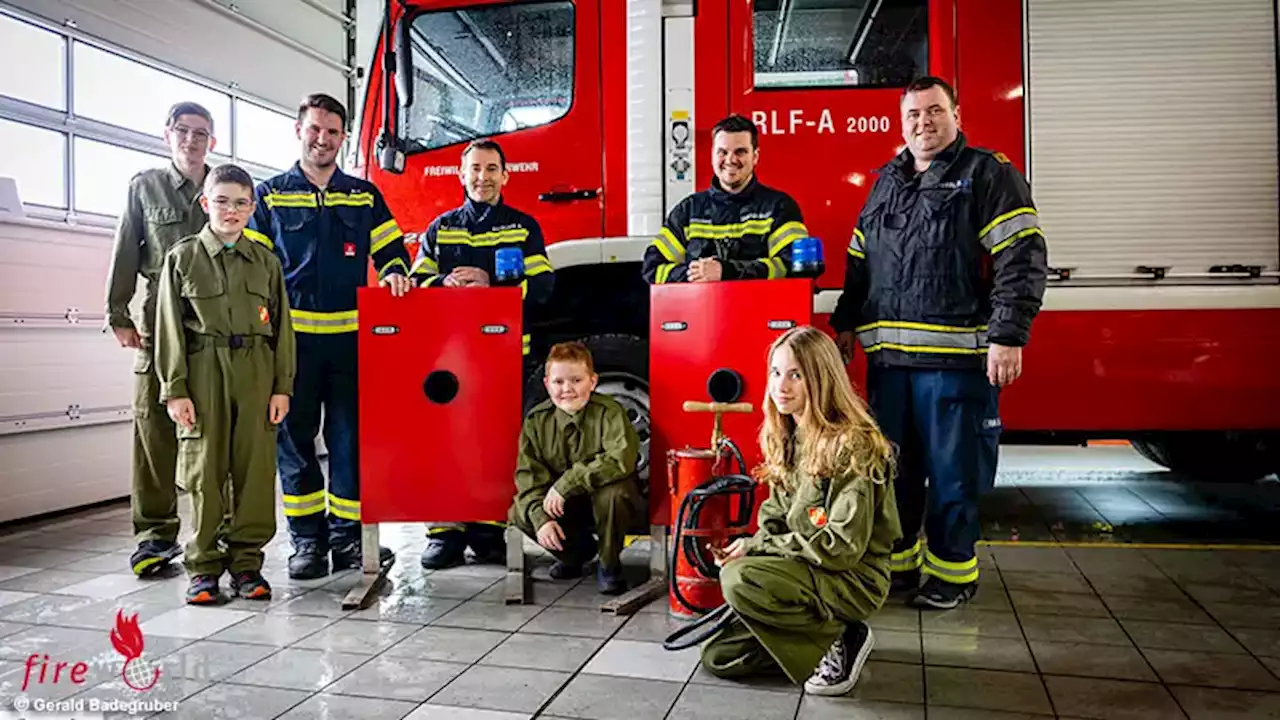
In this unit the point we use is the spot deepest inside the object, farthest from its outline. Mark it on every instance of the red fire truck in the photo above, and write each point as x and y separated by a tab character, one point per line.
1149	138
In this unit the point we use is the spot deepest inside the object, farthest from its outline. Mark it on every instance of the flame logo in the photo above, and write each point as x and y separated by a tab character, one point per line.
127	639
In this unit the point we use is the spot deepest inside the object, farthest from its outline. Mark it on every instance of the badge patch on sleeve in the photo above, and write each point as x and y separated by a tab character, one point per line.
263	315
818	516
1001	158
349	249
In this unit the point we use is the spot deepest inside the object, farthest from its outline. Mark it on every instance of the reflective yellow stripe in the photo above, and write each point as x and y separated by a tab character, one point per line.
322	323
526	341
290	199
259	238
302	505
785	235
857	253
858	244
491	522
350	200
907	560
536	265
343	513
917	326
959	573
777	268
1004	218
669	246
922	337
759	226
458	236
924	349
390	264
431	280
344	508
664	273
1016	238
383	235
425	266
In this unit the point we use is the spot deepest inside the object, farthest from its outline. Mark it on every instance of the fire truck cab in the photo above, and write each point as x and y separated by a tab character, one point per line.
1150	144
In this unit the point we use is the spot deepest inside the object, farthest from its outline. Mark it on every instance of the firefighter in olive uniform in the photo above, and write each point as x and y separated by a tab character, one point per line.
577	471
163	207
325	225
225	355
738	229
458	249
946	271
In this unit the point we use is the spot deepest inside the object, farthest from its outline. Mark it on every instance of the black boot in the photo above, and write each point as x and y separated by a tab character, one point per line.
351	555
936	594
309	560
444	550
488	542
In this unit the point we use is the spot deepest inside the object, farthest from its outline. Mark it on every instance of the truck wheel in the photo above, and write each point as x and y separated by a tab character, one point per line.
1214	457
622	362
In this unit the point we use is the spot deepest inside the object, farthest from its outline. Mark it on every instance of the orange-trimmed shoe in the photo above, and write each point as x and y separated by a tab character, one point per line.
250	585
203	590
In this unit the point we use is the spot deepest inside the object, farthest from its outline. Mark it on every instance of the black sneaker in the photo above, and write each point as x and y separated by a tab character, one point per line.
838	671
936	594
250	585
308	561
445	550
565	571
610	581
203	590
908	581
350	556
152	556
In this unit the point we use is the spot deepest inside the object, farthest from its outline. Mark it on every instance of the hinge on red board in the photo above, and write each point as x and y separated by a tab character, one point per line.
1156	273
1253	271
1060	273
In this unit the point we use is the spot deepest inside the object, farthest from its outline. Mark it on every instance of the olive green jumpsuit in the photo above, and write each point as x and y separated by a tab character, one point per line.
590	458
819	561
224	340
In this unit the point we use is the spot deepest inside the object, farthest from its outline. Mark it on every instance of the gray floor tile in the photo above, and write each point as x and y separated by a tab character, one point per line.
1050	581
975	651
650	661
1056	628
194	622
649	627
340	707
47	581
398	678
237	702
540	593
299	669
813	707
488	616
991	597
460	587
896	646
322	603
1034	559
575	621
104	587
1150	635
13	597
166	690
42	609
972	621
1206	594
9	572
1264	643
895	617
1055	603
543	652
449	712
939	712
889	682
212	662
416	609
1145	587
59	559
448	644
1218	704
10	628
1241	672
1266	617
358	636
776	682
274	630
497	688
96	562
1094	562
711	702
600	697
986	690
1111	699
1117	663
1160	610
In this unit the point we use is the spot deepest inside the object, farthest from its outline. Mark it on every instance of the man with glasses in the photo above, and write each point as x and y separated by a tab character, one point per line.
162	207
325	225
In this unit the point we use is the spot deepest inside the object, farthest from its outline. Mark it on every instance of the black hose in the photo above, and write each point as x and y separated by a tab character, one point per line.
718	619
687	518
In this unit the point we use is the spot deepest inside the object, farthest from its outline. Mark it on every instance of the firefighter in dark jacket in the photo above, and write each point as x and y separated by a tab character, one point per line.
946	271
459	249
324	226
738	229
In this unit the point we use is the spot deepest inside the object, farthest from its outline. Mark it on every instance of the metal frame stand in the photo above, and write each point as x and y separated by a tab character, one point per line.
515	588
641	595
373	572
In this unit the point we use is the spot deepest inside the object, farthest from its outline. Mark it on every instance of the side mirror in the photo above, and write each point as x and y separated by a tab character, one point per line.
404	64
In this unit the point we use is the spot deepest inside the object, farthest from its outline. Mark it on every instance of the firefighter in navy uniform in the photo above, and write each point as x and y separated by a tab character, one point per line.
324	225
459	249
738	229
946	271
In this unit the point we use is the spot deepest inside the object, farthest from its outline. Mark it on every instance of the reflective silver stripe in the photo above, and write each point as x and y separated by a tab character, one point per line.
324	323
952	572
856	242
424	266
1008	225
669	246
777	268
784	236
911	337
910	559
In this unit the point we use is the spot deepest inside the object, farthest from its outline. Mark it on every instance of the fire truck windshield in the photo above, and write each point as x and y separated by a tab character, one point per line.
487	70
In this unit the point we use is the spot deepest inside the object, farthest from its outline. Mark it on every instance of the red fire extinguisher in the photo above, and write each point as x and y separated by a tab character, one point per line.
709	508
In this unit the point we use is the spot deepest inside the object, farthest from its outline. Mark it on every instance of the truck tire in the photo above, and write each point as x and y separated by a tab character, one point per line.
622	362
1213	457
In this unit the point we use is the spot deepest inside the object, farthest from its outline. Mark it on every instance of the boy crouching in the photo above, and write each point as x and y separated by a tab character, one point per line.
577	471
225	354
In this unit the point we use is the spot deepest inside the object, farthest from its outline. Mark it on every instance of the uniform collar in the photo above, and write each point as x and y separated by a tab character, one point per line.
214	246
177	178
479	210
339	181
719	194
905	163
564	420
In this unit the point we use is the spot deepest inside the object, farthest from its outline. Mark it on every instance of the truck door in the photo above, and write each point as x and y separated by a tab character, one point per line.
525	74
822	80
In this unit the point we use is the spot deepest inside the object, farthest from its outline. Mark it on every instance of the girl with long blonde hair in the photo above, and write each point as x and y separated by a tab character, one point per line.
803	586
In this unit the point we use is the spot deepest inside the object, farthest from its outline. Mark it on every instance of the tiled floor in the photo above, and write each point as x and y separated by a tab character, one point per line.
1073	632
